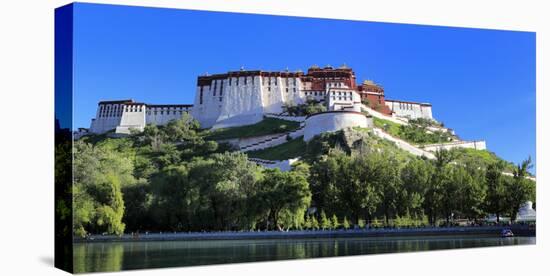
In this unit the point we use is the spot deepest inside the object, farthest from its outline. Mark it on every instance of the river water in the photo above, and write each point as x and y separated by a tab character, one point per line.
116	256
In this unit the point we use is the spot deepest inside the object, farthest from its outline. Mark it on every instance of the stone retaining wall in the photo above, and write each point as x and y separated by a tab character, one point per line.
331	121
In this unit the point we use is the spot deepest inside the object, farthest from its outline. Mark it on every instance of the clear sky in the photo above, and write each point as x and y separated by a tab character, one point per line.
480	82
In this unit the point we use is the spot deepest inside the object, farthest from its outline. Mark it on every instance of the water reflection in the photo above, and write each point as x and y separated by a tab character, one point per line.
134	255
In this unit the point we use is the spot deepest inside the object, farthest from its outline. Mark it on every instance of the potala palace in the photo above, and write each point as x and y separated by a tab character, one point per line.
245	97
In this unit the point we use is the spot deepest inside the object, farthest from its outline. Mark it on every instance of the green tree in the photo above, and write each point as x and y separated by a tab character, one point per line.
361	223
415	177
434	194
389	183
176	198
325	222
314	108
182	130
307	222
345	223
229	187
473	191
344	183
314	223
520	189
99	175
496	189
451	177
137	205
283	191
334	222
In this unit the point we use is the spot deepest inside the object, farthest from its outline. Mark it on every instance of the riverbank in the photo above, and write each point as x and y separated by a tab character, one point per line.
519	230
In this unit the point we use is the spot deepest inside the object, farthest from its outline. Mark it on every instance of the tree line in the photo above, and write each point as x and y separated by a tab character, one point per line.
171	178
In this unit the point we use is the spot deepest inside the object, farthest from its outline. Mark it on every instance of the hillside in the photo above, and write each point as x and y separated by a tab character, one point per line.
264	127
177	178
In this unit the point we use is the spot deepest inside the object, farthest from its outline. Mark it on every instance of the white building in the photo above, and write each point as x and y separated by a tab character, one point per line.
124	115
410	110
343	99
243	97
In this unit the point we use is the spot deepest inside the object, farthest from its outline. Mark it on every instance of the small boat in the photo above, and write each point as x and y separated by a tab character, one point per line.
506	233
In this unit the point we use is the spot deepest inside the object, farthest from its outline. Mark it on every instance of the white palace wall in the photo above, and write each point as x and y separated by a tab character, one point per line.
343	99
237	101
478	145
108	117
122	117
207	105
133	117
241	103
162	114
409	109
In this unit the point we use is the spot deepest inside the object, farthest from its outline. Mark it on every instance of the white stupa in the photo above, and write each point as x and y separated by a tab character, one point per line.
526	212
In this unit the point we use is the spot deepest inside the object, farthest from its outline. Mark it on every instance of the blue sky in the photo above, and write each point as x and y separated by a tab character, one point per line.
481	82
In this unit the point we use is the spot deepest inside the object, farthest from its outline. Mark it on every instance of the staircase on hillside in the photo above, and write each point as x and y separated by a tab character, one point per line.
274	140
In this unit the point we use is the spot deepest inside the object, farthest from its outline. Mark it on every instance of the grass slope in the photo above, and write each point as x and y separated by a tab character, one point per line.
485	157
413	133
389	126
264	127
290	149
